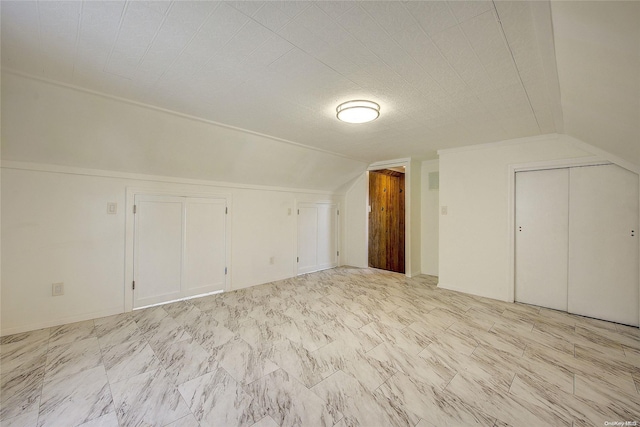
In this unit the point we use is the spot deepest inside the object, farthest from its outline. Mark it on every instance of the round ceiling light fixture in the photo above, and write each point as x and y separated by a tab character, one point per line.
359	111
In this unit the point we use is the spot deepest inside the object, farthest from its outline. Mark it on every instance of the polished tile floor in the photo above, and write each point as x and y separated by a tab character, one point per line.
342	347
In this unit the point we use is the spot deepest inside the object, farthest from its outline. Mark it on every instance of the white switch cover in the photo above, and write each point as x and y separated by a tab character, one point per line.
112	208
57	289
443	210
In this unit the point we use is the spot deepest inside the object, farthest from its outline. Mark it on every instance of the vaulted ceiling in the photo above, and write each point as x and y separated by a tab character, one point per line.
446	74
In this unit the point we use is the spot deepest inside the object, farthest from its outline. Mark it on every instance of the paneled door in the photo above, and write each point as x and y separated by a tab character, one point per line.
205	245
542	237
158	251
317	237
603	243
179	248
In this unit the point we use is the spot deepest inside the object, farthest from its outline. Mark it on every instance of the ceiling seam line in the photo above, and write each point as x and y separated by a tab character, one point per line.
274	32
515	64
405	80
155	36
40	37
259	23
291	18
115	41
483	67
444	58
314	56
186	45
79	30
295	46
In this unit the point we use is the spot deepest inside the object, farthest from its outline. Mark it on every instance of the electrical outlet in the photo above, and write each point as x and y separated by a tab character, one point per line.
57	289
444	210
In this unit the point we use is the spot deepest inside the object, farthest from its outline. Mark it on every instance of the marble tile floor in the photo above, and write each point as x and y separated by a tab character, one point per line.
341	347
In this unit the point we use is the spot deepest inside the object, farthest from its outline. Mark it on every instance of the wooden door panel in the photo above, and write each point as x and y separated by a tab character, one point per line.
386	220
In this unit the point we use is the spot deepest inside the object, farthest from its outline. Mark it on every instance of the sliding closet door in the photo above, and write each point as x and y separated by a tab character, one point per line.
541	240
603	248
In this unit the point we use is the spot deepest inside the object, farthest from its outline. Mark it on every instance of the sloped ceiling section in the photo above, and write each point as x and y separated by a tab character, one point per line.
48	123
446	73
598	55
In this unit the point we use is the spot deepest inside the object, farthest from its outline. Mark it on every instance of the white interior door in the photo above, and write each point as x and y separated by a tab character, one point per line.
307	238
317	236
158	249
179	249
541	241
327	236
205	246
603	249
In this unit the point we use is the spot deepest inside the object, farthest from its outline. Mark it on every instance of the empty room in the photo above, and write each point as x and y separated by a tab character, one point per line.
320	213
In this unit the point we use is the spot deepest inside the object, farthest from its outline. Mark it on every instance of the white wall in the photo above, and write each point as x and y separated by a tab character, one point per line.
54	124
356	217
414	207
429	222
474	186
55	228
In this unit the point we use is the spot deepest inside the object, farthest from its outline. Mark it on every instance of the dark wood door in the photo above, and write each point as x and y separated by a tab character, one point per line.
386	220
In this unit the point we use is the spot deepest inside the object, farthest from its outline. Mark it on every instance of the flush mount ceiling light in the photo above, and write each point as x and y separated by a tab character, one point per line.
358	111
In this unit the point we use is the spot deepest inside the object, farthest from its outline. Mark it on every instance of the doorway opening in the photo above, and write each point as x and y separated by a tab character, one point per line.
387	219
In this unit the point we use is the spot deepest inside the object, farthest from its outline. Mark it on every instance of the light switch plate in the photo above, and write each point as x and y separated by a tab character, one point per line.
57	289
112	208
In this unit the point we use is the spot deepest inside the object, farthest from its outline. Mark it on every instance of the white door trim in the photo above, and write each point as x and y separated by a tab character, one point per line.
131	193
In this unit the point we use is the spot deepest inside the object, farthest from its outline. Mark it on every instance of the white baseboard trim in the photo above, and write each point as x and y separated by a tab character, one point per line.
467	291
413	273
62	321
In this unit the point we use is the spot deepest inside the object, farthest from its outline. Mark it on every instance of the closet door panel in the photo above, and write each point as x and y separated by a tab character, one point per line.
205	246
603	250
327	236
317	236
541	241
307	238
158	249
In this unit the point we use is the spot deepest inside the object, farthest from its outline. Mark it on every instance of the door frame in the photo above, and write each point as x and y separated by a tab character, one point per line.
296	205
129	251
408	270
511	204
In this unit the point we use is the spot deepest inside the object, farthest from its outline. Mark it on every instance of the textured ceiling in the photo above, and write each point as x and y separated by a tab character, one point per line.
446	74
601	101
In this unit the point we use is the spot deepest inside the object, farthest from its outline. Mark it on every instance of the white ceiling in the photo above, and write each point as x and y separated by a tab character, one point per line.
446	74
598	57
